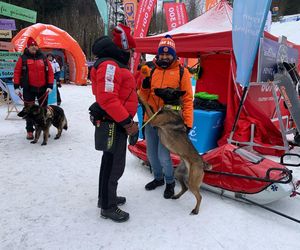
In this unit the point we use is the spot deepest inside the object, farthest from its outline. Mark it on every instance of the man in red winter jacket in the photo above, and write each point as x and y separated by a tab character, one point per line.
115	90
33	73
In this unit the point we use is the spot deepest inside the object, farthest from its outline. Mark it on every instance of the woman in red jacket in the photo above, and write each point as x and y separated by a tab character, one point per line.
33	73
115	90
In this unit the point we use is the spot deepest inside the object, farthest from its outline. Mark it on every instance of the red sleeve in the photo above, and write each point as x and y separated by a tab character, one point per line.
50	73
108	87
18	72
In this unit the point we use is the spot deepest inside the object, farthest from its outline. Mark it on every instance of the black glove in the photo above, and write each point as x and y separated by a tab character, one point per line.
146	83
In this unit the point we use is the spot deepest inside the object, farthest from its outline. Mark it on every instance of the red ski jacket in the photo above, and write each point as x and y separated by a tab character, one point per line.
115	90
35	71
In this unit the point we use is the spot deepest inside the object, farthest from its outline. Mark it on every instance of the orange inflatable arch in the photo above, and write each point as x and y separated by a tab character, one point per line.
51	37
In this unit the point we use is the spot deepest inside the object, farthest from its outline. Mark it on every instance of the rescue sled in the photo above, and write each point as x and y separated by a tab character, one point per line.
240	174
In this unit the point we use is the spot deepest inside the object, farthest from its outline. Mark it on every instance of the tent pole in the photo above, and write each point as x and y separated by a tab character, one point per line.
245	91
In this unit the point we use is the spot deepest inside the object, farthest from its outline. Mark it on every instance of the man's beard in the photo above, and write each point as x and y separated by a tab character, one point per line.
164	63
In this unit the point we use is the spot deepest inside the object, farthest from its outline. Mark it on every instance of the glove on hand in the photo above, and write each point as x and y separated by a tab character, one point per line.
132	128
146	83
18	92
49	90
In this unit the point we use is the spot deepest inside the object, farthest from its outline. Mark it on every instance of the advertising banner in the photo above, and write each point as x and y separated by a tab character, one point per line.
130	7
175	15
6	46
142	22
16	12
249	17
4	55
270	54
210	3
7	24
5	34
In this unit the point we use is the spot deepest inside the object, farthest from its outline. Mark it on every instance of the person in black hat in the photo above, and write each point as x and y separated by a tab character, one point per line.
114	88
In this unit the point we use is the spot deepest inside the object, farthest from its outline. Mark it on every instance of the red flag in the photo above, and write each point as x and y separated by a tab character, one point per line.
175	15
142	22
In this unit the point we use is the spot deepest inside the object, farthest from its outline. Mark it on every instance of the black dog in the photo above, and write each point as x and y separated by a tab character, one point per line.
42	118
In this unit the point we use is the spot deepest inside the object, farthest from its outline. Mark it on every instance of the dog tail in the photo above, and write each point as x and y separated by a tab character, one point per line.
65	127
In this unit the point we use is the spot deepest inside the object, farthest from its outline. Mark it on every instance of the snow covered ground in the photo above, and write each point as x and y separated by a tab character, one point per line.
48	199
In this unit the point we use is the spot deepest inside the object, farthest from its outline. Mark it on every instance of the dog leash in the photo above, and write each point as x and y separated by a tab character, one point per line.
149	119
32	102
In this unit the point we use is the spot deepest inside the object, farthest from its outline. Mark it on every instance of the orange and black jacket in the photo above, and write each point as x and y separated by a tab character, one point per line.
170	77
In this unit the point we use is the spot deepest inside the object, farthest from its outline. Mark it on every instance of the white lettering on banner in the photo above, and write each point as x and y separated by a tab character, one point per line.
109	78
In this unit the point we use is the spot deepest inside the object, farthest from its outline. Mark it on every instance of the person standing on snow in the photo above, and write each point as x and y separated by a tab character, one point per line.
115	90
167	73
56	71
33	73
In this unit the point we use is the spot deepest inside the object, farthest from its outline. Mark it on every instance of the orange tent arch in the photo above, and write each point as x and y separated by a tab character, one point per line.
51	37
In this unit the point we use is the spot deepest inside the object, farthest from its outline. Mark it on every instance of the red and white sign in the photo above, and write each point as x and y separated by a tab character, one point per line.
142	22
175	15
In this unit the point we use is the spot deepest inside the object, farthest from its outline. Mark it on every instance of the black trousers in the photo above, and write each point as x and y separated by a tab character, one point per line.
29	96
111	170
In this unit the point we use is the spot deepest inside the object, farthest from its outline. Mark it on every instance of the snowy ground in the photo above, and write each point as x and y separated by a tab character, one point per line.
48	199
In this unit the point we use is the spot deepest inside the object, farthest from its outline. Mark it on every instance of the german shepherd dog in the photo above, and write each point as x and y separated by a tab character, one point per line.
42	118
173	135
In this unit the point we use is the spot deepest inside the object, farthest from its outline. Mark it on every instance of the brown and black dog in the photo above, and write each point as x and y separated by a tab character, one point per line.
173	135
43	118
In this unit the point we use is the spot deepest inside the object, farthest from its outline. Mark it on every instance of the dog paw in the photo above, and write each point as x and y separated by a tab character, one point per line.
44	143
174	197
33	142
194	211
56	137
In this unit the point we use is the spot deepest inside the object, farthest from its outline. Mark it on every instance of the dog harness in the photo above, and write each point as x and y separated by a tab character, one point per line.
173	107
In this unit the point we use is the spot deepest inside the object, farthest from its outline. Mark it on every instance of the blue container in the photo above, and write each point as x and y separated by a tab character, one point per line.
52	97
207	128
140	119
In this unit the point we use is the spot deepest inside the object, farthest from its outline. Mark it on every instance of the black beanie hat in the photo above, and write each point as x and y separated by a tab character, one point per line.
101	44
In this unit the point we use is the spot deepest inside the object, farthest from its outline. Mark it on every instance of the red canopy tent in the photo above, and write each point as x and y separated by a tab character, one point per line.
209	37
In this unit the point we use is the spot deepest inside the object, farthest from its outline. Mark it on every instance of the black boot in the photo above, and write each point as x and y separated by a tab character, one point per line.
115	214
169	191
154	184
120	201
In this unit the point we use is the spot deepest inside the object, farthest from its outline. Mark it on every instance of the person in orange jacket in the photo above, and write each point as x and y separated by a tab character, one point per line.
166	74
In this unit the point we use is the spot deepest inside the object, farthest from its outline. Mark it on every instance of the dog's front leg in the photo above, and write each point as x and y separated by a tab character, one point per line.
45	136
36	135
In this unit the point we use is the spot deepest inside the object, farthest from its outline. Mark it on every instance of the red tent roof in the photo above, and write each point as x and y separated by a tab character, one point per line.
208	32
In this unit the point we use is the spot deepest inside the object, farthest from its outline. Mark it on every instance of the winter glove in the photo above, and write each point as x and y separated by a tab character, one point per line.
146	83
145	70
132	128
18	92
49	90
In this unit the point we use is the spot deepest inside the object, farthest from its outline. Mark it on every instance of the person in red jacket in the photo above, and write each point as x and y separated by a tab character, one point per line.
114	88
33	73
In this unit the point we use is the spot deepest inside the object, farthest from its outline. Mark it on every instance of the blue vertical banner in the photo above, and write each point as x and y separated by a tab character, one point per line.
102	8
248	21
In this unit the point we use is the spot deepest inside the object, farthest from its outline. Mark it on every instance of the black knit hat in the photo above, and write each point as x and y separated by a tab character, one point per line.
101	44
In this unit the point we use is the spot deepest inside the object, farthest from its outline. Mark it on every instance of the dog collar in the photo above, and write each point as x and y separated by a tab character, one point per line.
173	107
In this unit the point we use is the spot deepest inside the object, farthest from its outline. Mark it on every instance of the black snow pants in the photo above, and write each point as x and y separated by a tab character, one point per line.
111	169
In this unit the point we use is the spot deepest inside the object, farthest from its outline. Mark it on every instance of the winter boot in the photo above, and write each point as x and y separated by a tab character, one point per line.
29	136
115	214
169	191
120	201
154	184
